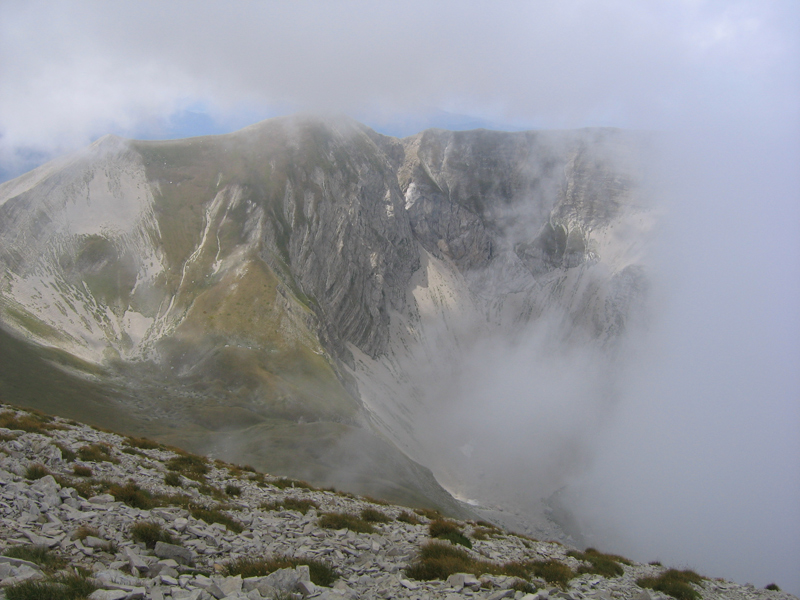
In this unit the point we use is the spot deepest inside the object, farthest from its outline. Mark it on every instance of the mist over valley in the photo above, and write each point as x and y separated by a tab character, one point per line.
530	264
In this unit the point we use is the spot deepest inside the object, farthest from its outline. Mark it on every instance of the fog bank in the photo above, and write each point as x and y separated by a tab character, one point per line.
700	465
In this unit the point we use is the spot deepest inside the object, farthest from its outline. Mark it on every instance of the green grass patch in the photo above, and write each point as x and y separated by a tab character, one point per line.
73	586
66	454
213	515
181	500
81	471
233	490
552	571
189	465
377	501
321	572
213	491
90	487
484	533
96	453
674	583
605	565
258	478
148	533
41	555
437	560
285	482
448	530
428	513
173	479
132	451
132	495
410	518
32	422
142	443
36	471
370	515
299	504
345	521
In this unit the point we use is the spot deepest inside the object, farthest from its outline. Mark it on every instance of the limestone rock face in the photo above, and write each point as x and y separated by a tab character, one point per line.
350	245
276	292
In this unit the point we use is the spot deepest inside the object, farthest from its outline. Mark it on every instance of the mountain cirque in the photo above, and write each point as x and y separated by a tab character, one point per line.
82	493
300	295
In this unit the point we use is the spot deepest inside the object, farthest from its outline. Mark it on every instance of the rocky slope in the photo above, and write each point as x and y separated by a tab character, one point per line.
305	294
126	518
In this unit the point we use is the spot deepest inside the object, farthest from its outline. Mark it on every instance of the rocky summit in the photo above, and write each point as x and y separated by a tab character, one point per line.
92	514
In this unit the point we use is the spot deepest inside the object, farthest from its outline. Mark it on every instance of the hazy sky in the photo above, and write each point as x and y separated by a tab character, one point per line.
710	462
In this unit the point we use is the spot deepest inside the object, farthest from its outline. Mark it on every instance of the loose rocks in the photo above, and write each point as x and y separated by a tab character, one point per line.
187	537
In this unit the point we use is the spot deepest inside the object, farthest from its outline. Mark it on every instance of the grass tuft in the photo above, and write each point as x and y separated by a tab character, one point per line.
299	504
233	490
67	455
132	495
345	521
189	465
81	471
173	479
484	533
213	515
428	513
378	501
30	423
96	453
410	518
552	571
321	572
370	515
142	443
448	530
674	583
41	555
605	565
285	482
36	471
438	560
148	533
65	587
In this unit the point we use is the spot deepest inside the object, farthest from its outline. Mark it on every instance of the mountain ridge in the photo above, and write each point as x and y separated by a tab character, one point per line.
242	287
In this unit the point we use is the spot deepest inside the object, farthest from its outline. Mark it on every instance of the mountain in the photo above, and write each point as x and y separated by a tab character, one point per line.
304	295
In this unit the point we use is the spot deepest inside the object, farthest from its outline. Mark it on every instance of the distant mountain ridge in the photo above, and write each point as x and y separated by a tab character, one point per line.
269	293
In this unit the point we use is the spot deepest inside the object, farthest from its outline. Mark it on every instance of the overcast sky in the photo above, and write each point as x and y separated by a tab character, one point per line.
719	79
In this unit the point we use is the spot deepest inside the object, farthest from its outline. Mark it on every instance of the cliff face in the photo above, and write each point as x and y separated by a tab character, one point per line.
297	270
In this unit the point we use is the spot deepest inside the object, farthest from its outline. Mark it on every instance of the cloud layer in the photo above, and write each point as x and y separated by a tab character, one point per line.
72	71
